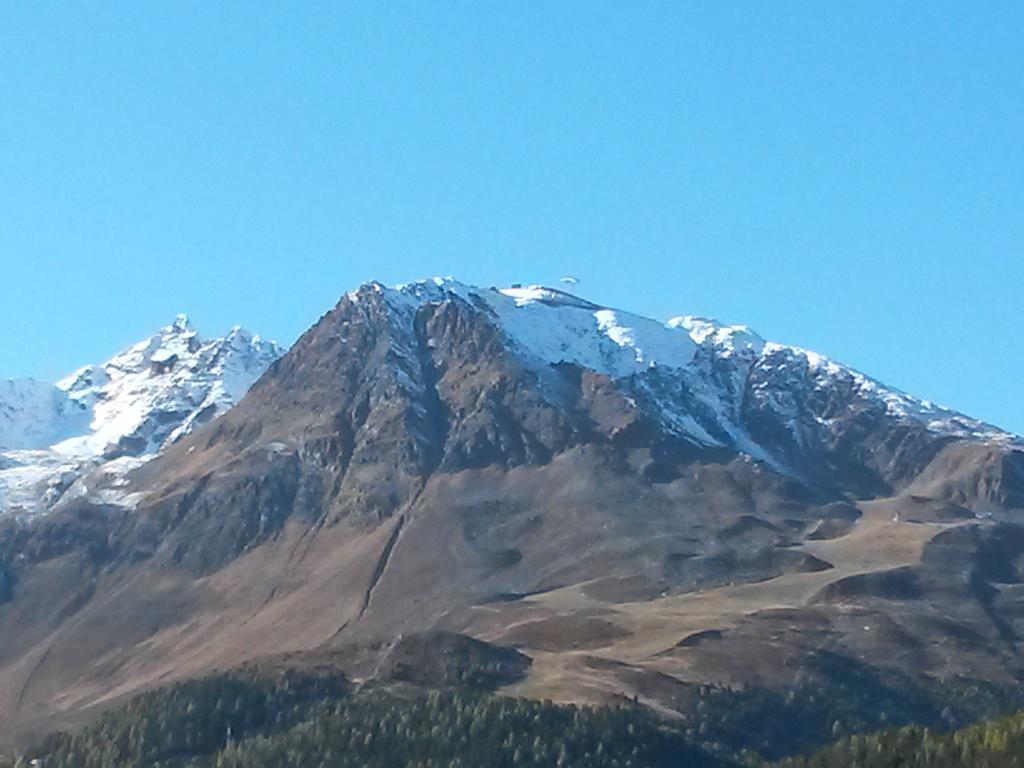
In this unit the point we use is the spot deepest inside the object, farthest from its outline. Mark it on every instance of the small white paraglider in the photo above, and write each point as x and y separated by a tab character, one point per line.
570	280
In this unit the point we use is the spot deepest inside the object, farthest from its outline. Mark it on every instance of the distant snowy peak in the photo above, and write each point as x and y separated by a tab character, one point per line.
163	387
723	369
119	413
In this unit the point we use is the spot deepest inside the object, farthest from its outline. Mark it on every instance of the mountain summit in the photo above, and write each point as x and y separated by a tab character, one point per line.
638	508
130	407
717	376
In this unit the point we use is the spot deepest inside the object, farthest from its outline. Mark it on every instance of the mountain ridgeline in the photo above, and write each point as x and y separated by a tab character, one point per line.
439	483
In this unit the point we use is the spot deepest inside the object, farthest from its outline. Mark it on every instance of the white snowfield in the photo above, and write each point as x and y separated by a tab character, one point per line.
36	414
120	413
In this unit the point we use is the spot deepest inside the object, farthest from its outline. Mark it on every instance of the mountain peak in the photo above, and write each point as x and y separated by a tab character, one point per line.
141	399
182	324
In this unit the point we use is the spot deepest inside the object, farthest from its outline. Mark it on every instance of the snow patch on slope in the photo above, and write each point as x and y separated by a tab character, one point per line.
35	414
552	326
899	404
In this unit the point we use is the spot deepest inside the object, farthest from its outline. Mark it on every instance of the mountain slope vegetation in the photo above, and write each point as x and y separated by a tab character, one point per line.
994	744
247	721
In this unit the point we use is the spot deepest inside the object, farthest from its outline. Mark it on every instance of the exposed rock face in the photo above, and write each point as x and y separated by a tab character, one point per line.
530	470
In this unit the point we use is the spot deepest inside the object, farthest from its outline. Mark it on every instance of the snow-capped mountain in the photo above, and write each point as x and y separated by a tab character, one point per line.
624	500
711	382
119	412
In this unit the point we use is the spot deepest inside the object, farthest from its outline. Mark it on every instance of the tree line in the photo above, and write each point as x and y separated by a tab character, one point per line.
995	744
243	720
254	719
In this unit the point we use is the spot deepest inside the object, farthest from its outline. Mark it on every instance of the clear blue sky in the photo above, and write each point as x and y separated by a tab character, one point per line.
844	176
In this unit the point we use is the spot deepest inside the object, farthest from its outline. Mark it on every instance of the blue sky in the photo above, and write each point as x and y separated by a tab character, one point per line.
844	176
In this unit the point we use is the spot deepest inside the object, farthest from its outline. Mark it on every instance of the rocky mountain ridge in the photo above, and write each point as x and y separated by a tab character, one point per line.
708	382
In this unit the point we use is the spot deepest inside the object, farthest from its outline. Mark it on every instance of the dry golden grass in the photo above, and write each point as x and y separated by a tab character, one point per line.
879	541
